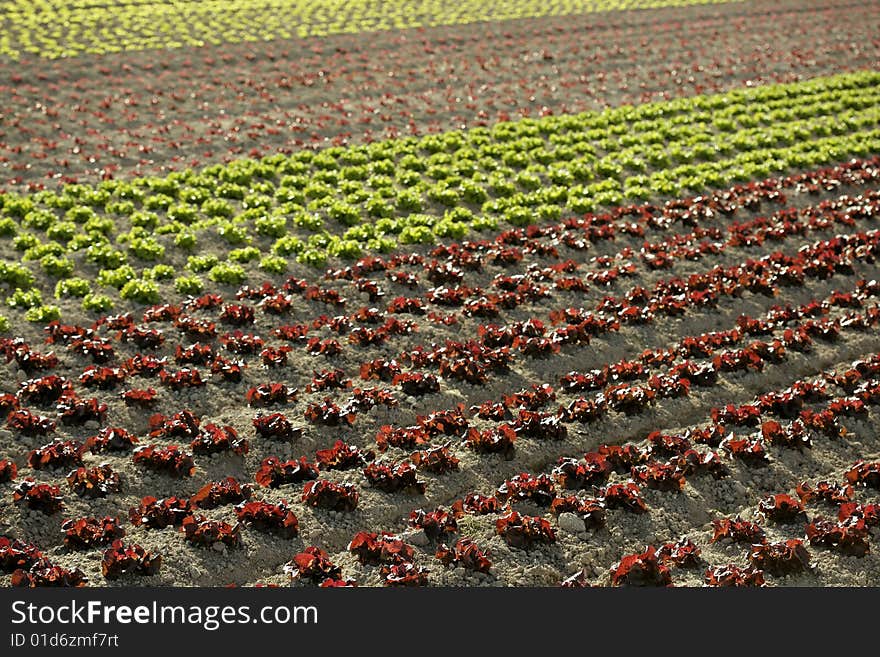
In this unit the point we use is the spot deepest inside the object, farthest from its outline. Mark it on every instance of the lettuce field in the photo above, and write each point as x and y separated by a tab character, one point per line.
575	293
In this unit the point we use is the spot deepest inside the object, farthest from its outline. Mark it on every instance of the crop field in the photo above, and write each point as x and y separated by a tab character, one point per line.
578	293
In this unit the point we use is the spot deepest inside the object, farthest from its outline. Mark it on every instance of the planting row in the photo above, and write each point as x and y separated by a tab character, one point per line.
51	28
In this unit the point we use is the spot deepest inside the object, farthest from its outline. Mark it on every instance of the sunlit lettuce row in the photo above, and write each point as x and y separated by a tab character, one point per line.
58	28
138	239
